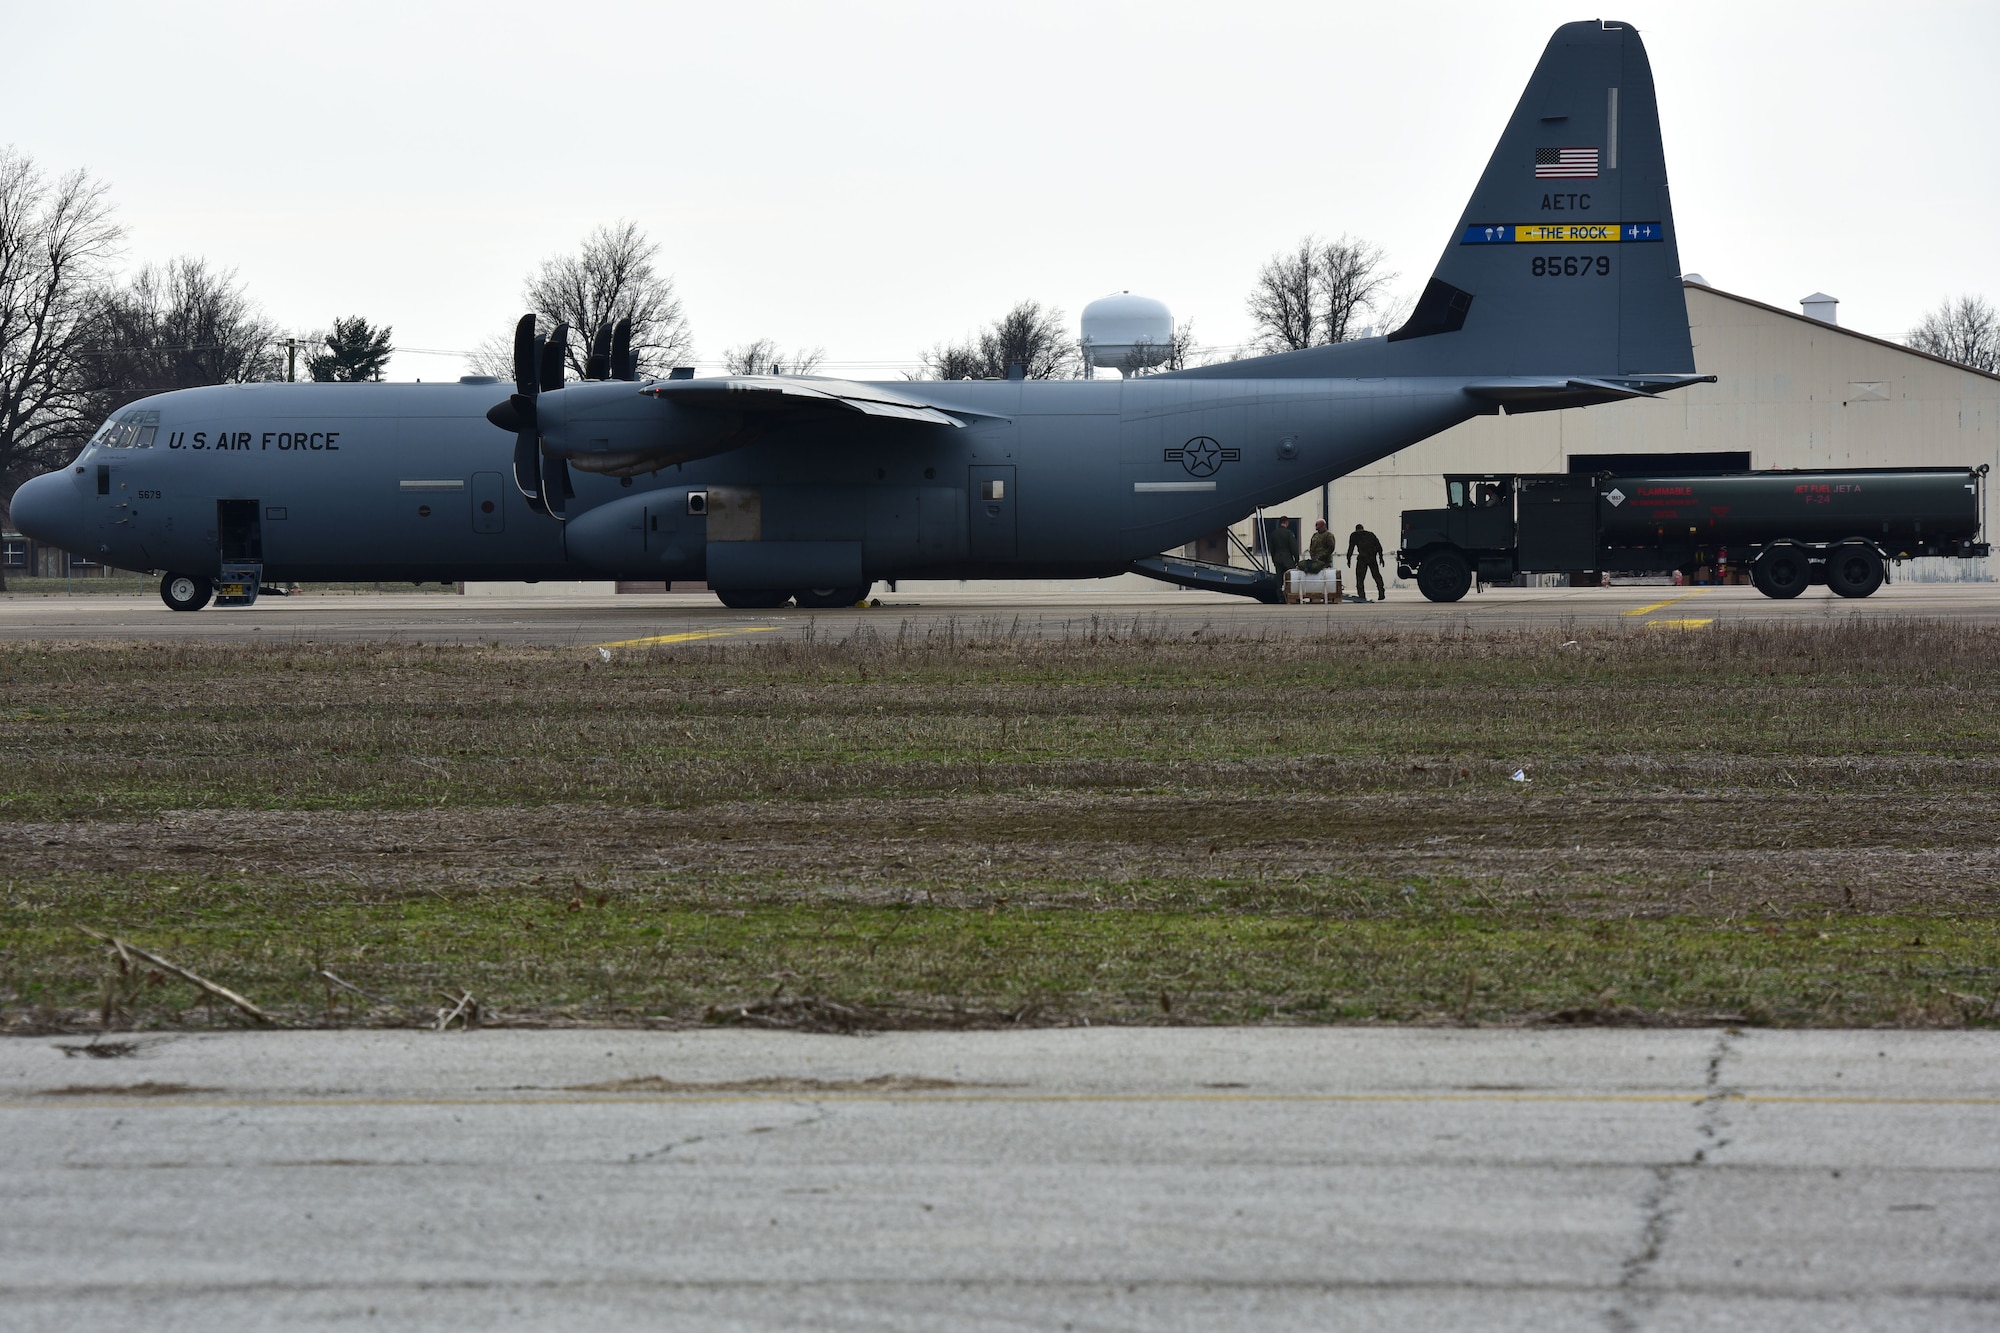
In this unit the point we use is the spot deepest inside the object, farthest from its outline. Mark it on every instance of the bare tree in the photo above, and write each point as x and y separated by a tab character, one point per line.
611	278
1031	336
1351	281
56	241
1966	331
1387	314
179	325
1148	357
761	356
1282	303
1316	294
953	361
1144	355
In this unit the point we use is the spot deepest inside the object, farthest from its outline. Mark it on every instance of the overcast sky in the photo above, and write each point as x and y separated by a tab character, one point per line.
875	177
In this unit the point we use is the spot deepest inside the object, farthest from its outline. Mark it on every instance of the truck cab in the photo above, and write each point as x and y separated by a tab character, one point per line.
1496	525
1441	548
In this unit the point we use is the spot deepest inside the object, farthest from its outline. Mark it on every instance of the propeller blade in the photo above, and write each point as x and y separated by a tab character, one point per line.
527	474
518	414
525	351
598	367
624	366
553	352
555	484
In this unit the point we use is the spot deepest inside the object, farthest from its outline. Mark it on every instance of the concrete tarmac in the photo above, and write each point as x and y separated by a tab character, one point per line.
1083	1179
586	619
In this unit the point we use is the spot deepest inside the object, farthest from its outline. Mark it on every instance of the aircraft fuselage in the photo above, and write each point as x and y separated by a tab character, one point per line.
410	483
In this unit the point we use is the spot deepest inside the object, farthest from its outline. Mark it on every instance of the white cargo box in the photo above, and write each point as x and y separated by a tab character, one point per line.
1321	587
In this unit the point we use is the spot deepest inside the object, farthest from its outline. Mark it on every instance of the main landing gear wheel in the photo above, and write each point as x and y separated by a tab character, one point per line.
826	599
1782	571
186	592
1854	569
752	599
1444	576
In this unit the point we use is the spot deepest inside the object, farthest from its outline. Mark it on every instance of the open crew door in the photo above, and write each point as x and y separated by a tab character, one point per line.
240	526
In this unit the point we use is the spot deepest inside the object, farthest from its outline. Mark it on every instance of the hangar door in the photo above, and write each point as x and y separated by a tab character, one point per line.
1693	464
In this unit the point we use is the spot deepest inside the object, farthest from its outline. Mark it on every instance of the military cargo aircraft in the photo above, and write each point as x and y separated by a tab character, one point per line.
1558	288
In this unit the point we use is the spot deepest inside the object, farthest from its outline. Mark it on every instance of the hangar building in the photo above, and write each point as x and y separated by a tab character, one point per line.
1793	390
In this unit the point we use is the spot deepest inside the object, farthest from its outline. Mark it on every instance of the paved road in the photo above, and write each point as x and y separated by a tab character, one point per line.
1090	1179
601	618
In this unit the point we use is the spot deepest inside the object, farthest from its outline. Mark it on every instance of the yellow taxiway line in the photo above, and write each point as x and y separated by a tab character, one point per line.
689	637
1660	606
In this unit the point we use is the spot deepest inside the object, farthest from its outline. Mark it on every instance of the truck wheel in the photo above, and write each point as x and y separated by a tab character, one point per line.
186	592
826	599
1782	571
1444	576
1854	569
752	599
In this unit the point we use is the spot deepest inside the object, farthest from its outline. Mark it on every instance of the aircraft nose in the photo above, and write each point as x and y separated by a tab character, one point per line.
45	508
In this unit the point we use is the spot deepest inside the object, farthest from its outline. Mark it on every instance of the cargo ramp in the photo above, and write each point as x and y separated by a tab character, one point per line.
1262	584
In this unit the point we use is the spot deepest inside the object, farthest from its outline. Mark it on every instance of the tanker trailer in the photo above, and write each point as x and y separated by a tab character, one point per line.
1792	528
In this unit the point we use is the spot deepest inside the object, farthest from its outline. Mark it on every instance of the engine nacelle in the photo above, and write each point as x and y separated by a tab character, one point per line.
651	535
615	429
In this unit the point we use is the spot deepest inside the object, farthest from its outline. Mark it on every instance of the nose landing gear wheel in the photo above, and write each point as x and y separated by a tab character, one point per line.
825	599
186	592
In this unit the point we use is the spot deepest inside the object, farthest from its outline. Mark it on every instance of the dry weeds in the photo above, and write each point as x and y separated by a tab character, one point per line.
256	810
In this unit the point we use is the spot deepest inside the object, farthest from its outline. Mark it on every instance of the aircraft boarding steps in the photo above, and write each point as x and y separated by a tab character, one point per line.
1261	584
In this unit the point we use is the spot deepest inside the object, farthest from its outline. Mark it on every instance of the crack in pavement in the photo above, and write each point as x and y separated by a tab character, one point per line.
821	1112
1659	1202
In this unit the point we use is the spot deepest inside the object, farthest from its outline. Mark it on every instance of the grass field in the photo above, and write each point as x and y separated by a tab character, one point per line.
1788	825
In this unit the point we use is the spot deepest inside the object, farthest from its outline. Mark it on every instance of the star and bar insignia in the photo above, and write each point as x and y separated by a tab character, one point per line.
1202	456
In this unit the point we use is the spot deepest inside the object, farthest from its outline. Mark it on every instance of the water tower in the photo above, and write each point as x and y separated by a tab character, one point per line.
1122	332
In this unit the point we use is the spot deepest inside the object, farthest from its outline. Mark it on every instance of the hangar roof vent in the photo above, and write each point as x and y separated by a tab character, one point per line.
1820	306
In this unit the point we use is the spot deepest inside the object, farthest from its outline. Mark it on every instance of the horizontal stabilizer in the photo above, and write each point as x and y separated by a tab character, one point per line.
1528	393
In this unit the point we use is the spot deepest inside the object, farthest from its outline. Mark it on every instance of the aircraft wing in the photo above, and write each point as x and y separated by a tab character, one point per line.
1538	393
603	427
799	393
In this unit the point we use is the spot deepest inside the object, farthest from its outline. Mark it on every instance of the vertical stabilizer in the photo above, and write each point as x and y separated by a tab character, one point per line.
1565	260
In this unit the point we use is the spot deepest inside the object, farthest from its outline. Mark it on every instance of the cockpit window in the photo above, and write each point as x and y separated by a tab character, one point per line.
132	429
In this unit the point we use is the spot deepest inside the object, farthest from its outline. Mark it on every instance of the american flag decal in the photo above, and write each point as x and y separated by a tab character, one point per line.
1565	164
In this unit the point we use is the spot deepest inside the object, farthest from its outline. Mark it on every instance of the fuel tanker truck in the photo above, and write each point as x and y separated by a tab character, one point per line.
1792	529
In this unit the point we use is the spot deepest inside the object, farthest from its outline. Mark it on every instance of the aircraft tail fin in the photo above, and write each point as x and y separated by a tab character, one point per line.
1565	260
